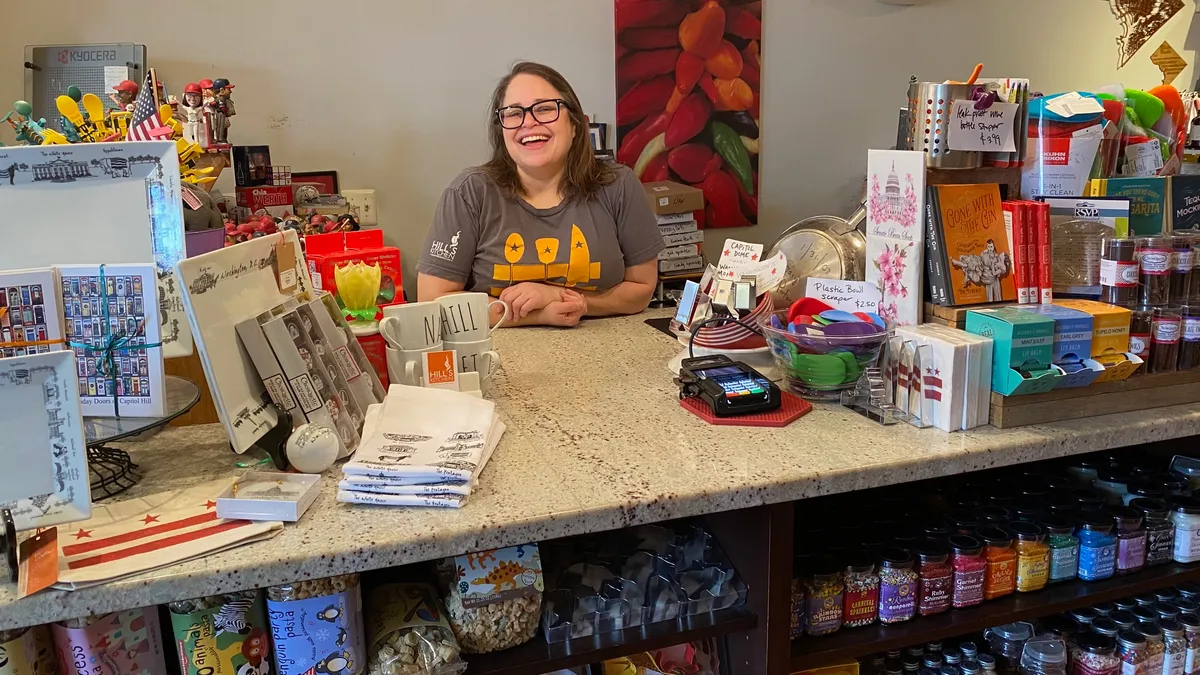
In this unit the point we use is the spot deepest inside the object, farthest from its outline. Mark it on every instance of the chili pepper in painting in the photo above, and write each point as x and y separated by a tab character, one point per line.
689	86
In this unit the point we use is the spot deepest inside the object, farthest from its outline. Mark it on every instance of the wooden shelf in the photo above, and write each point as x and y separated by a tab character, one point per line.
851	643
538	657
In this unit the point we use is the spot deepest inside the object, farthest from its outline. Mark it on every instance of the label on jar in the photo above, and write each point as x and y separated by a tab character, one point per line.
1156	262
1032	571
1118	273
935	594
861	607
1001	577
121	643
1153	664
897	601
1159	543
1064	563
1132	668
1182	261
1097	562
968	587
1191	659
1093	664
224	639
1139	344
824	614
1173	663
1187	543
1166	331
1131	552
1191	329
324	632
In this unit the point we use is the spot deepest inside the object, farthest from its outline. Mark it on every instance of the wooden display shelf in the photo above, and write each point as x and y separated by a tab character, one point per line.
537	656
851	643
1141	392
1009	178
954	317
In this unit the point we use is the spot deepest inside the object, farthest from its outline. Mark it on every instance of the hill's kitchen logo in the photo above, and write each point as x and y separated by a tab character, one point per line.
86	55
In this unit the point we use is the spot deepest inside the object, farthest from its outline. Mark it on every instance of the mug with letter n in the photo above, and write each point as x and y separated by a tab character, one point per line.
412	326
465	316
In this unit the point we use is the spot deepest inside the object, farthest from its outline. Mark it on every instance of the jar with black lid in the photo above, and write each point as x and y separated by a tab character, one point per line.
1189	590
1112	482
1125	620
1124	604
1131	539
1027	510
1088	499
1145	613
1095	654
1144	486
1104	608
1119	273
1160	532
963	522
1084	615
1145	599
994	515
1154	267
1166	610
1105	626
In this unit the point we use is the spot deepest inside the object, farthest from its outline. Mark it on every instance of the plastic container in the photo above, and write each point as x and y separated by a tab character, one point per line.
221	634
824	590
1164	341
1174	647
1185	514
860	599
1033	557
409	633
1001	562
1182	260
1044	656
1007	642
1191	629
1064	549
1097	548
970	570
1118	271
1154	264
1131	650
1095	654
336	630
1189	343
1131	539
935	580
1144	485
897	586
1141	330
1125	620
1112	483
1105	626
810	363
1160	532
1154	645
495	603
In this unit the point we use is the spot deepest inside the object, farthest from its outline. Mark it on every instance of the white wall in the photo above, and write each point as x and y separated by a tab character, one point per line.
393	93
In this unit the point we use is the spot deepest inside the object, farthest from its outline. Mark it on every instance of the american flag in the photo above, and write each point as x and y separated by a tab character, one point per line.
145	121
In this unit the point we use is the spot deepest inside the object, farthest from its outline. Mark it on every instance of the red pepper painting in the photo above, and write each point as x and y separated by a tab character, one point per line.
688	92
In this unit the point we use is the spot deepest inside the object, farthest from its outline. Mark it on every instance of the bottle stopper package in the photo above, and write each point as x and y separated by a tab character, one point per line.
222	634
121	643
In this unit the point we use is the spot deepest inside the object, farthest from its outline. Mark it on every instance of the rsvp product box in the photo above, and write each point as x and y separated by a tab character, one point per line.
1023	348
667	197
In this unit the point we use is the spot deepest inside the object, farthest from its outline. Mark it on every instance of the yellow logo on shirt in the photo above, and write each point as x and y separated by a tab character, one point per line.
579	272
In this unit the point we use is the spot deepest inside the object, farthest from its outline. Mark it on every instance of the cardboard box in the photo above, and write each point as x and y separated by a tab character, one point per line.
275	200
1110	337
1072	344
676	252
683	238
255	343
1023	347
668	197
326	252
676	219
251	165
678	228
677	265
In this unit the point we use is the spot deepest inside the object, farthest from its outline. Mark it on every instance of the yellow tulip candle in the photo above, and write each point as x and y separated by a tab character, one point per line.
358	288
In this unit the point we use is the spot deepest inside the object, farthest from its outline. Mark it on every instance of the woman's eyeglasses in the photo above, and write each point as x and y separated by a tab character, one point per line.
544	112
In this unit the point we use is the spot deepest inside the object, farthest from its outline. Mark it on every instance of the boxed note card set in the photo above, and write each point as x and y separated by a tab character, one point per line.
108	315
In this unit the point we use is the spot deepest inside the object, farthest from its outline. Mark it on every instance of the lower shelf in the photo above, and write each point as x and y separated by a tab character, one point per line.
538	657
851	643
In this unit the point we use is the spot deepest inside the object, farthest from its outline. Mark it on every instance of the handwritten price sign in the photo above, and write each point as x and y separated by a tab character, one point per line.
851	296
989	130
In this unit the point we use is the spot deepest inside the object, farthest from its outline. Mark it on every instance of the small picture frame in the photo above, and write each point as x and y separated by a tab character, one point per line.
598	133
327	180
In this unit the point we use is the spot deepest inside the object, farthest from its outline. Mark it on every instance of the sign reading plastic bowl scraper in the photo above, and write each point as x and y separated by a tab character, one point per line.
94	204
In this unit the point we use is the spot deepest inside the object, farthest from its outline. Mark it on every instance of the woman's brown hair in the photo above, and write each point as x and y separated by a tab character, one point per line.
583	174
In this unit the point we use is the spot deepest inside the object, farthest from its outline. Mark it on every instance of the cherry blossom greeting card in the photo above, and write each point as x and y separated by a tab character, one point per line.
895	232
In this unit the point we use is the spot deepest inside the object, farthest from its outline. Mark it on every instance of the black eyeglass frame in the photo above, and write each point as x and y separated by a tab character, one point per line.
528	110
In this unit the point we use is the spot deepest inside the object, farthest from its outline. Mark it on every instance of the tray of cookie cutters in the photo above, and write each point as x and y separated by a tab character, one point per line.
635	578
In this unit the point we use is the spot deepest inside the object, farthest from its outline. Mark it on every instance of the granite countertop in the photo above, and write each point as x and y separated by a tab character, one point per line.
596	440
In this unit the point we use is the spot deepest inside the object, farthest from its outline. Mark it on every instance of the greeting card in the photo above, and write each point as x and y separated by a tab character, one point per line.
895	232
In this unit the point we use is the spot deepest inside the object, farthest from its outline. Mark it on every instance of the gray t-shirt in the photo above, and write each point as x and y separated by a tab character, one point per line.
489	241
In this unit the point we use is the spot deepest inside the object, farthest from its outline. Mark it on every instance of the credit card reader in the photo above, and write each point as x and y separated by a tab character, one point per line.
728	387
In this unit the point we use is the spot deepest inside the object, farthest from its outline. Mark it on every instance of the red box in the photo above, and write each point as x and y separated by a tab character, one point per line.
324	252
273	199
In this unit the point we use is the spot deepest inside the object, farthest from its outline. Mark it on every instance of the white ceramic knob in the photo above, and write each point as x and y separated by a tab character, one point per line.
312	448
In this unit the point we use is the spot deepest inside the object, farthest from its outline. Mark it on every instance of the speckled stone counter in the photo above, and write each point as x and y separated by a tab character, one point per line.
596	440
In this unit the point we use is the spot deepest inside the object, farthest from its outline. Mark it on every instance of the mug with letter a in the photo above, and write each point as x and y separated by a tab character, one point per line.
465	316
477	357
412	326
404	365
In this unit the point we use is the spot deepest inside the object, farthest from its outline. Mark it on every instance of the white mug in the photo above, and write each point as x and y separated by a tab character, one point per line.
477	357
404	365
412	326
465	316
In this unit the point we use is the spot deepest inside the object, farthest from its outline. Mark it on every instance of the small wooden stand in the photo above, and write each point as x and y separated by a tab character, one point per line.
955	317
1009	178
1140	392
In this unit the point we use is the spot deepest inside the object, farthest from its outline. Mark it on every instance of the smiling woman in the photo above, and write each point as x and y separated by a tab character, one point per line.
543	225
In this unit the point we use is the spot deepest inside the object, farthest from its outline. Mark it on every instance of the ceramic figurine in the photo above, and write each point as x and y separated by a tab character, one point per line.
347	223
124	94
223	90
206	89
191	110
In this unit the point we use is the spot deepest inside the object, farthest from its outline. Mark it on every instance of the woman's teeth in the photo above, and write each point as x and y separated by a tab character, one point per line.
532	139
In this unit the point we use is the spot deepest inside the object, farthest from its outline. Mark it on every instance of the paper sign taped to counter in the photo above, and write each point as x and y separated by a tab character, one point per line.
988	130
850	296
735	256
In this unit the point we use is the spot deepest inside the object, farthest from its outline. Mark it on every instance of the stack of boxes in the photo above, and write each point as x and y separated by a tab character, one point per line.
675	206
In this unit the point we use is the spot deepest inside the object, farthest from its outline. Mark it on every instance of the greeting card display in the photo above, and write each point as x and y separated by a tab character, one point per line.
895	232
92	203
111	321
30	313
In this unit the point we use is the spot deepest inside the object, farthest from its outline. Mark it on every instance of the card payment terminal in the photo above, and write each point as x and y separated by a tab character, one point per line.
728	387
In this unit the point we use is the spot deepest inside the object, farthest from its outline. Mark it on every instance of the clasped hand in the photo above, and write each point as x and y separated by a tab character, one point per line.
559	306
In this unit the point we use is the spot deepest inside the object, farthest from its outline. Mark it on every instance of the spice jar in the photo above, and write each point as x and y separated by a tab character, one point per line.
1154	645
1001	562
1125	604
1189	344
1064	548
1145	599
1174	647
1113	483
1125	620
1105	626
1089	500
1164	341
963	522
1185	513
994	515
1044	655
1141	327
1007	642
1131	539
1118	271
1095	654
1144	485
1147	613
897	586
861	595
1191	630
1131	649
970	568
1167	610
1188	589
935	580
1154	267
1181	268
1097	547
1186	606
1033	557
1084	616
988	663
823	589
1160	533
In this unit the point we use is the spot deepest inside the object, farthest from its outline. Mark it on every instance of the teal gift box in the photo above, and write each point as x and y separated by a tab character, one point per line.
1072	344
1023	349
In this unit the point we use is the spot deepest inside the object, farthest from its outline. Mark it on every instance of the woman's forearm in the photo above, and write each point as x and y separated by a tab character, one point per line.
627	297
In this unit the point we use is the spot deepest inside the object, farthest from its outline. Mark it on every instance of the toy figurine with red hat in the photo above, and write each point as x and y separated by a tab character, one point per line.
206	89
124	94
223	90
191	112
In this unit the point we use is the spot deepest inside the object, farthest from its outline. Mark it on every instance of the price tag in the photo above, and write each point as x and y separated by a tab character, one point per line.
285	264
736	256
1143	159
989	130
851	296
